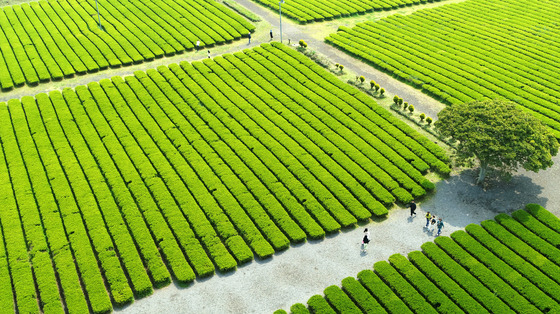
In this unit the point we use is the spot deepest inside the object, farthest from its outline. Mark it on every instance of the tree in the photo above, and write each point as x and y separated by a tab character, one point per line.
396	100
497	134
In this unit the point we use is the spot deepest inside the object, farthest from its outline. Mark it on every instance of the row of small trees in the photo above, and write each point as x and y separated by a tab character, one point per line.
400	102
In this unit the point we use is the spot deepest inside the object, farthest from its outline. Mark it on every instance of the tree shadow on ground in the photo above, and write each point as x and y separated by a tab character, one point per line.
458	197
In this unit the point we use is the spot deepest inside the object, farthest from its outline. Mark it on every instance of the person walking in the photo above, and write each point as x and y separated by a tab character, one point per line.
428	218
439	227
365	240
208	54
271	36
249	38
412	208
433	223
197	45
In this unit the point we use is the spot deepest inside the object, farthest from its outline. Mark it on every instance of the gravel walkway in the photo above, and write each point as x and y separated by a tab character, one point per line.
306	269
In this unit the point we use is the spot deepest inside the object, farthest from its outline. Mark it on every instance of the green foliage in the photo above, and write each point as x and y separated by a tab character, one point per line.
372	84
396	99
362	79
299	308
382	91
488	268
405	105
450	69
341	67
340	300
54	40
422	116
377	87
302	43
429	120
143	150
506	137
400	101
411	108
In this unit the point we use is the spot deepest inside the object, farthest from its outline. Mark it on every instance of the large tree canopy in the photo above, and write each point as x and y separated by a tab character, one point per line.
498	135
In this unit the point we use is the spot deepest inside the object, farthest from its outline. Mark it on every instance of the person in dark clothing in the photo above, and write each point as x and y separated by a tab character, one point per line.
249	37
365	240
271	36
412	208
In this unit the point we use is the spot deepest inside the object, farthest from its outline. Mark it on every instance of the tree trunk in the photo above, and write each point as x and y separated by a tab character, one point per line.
482	173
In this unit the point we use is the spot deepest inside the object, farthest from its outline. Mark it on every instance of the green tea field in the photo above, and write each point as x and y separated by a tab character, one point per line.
507	265
476	49
111	189
50	40
317	10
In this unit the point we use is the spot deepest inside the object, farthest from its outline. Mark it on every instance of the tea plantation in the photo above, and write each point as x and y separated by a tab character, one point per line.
111	189
507	265
44	40
476	49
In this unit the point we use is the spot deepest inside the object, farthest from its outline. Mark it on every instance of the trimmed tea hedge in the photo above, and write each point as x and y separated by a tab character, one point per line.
47	40
120	186
307	11
469	272
471	50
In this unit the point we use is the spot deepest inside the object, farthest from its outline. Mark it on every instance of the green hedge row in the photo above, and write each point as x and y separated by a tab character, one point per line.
535	226
292	206
421	151
535	241
316	10
190	202
351	195
306	100
132	194
361	297
445	283
544	216
522	249
537	276
508	274
55	39
449	67
138	123
124	243
415	301
340	300
124	183
473	271
464	278
356	147
93	220
506	293
423	285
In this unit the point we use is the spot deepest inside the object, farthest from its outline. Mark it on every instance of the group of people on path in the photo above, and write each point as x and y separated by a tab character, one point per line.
432	221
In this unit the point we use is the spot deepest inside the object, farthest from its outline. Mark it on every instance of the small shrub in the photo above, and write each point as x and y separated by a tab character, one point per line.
341	67
336	65
302	43
429	120
422	116
382	91
405	106
372	84
362	79
400	101
396	99
377	87
411	108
